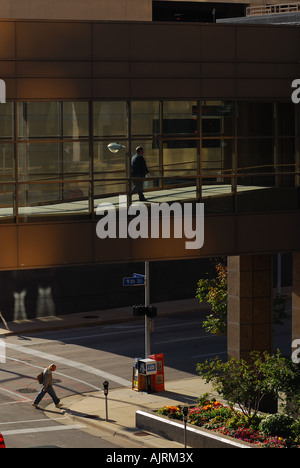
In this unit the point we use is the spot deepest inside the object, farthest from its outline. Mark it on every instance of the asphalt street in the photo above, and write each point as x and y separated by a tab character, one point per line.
85	357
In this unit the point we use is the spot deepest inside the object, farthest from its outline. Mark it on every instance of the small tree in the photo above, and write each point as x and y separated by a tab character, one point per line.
246	383
214	291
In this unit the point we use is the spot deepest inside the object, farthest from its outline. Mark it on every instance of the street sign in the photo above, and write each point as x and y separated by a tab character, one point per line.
134	281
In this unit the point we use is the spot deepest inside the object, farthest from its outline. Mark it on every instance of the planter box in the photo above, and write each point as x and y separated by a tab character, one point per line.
174	430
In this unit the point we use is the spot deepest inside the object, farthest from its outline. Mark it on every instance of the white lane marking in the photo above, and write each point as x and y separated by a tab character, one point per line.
41	429
31	420
70	363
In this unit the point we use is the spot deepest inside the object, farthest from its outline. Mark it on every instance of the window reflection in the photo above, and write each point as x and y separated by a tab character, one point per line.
7	121
7	163
145	118
110	118
217	119
58	158
179	118
75	120
39	120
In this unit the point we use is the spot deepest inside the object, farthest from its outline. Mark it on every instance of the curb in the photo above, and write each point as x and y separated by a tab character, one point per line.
148	439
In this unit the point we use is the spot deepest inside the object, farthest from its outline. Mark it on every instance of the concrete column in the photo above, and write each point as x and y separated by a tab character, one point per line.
250	305
296	299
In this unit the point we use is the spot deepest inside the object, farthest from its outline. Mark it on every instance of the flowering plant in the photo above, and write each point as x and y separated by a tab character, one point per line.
214	415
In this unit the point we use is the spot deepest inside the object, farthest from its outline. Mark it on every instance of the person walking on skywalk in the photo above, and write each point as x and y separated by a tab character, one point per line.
47	387
139	169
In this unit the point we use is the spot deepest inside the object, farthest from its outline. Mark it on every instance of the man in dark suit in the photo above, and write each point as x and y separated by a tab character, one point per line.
139	169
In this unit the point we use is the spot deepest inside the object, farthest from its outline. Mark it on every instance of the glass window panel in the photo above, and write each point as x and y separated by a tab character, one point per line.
286	162
75	158
39	120
40	199
75	119
7	120
145	118
39	161
255	159
217	118
110	118
255	155
7	165
255	119
180	118
108	191
217	157
109	165
53	160
180	160
286	118
7	195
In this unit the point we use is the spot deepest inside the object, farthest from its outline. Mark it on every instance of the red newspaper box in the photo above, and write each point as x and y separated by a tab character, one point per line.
158	380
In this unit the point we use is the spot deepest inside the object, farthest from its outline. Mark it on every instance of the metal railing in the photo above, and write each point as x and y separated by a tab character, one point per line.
272	9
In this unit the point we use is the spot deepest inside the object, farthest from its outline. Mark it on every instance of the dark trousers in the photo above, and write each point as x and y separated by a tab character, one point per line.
138	188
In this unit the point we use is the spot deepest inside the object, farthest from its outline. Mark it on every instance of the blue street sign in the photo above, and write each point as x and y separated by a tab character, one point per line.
134	281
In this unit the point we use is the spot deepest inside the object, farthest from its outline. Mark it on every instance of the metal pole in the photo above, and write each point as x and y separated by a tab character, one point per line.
185	411
106	409
147	302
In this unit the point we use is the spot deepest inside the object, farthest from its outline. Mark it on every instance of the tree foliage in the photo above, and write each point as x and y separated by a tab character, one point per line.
214	291
246	383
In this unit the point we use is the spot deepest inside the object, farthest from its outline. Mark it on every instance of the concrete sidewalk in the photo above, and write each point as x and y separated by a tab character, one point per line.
122	403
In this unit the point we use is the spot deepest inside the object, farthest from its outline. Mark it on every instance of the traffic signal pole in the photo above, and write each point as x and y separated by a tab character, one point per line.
147	319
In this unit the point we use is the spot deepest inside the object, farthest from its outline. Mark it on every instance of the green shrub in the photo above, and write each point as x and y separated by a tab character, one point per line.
295	428
277	425
239	420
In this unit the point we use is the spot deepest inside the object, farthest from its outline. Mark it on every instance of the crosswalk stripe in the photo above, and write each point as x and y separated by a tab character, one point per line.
71	363
41	429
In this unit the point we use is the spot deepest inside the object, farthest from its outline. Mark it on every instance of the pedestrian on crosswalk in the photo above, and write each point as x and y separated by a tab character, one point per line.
47	387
